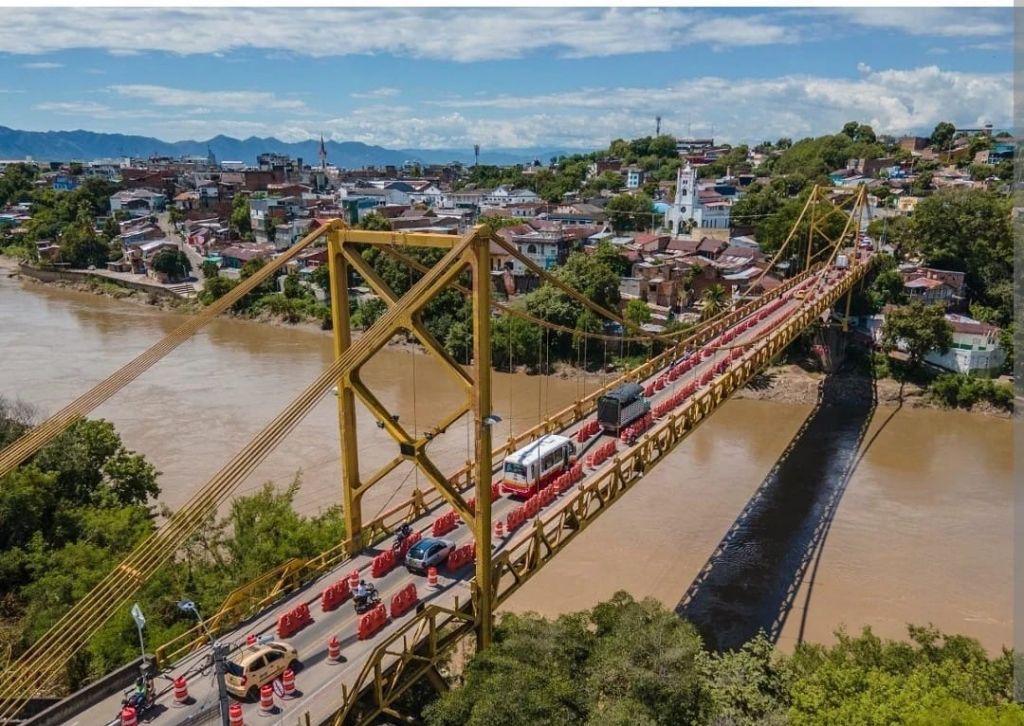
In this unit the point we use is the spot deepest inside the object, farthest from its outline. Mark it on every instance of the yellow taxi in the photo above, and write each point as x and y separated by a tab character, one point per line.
257	665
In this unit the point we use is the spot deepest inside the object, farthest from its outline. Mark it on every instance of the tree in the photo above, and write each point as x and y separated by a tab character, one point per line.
375	221
210	268
637	313
942	134
970	231
368	312
79	245
240	220
714	300
631	211
917	328
293	288
173	263
215	288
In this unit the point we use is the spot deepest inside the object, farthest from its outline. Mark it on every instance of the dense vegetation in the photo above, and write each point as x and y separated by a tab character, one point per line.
83	502
636	663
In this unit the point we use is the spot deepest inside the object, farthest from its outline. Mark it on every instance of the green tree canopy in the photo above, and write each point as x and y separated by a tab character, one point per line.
173	263
918	328
631	212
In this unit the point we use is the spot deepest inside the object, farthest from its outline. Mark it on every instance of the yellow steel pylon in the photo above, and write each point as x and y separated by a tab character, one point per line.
343	256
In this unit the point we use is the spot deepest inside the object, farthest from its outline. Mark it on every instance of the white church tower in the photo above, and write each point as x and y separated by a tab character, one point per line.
687	204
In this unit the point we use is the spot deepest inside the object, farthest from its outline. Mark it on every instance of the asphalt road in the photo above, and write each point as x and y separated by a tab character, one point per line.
319	681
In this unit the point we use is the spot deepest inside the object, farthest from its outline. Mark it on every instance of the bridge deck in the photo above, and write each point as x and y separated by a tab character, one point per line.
319	681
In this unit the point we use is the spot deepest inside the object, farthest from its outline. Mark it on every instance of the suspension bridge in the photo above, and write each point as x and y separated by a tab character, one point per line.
381	657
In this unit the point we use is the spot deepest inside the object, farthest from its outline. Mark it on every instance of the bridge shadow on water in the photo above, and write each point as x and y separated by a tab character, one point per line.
752	578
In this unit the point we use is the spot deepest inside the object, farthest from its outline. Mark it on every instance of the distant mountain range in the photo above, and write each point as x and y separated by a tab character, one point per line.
87	145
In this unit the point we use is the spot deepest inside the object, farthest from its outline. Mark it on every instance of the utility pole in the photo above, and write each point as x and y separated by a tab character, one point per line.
220	656
657	125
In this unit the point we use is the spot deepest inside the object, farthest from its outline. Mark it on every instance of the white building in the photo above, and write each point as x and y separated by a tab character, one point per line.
707	210
503	196
975	349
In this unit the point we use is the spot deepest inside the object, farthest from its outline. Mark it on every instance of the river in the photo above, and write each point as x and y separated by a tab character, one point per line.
921	532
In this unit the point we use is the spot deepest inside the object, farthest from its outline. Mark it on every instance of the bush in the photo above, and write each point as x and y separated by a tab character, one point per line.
958	390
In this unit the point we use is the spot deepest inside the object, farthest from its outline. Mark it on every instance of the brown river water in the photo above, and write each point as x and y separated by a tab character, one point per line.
917	527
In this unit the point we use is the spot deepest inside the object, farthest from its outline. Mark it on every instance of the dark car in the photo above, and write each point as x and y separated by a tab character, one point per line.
426	553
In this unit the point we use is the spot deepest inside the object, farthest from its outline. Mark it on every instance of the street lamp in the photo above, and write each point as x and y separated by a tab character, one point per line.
220	654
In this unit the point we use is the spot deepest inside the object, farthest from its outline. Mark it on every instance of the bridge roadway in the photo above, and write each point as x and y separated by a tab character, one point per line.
319	681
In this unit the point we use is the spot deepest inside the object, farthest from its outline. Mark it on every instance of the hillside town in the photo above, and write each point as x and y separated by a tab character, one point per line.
686	218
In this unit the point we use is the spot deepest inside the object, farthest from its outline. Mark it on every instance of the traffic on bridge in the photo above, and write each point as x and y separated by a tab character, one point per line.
307	639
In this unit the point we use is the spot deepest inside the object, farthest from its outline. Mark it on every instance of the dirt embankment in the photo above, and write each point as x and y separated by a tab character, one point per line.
792	384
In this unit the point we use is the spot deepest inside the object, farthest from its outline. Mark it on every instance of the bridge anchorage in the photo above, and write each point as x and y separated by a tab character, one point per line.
696	371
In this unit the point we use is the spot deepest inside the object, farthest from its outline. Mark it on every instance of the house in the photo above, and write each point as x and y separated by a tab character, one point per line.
975	349
932	285
64	183
577	214
905	206
236	256
504	196
634	176
138	202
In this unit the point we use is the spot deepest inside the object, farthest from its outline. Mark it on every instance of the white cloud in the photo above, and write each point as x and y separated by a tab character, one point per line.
74	108
863	67
254	102
944	22
42	65
384	92
463	34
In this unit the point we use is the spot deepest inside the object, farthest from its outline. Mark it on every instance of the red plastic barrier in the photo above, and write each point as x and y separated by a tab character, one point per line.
383	563
403	600
443	524
649	390
334	595
461	557
515	518
372	621
495	491
285	625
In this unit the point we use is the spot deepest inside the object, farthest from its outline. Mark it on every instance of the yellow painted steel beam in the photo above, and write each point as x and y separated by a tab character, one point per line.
403	239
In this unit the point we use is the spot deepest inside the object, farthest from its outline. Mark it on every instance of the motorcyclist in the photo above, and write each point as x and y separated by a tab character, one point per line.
142	694
361	592
403	533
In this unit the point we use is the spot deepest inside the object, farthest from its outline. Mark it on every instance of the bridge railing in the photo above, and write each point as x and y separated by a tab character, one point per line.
256	595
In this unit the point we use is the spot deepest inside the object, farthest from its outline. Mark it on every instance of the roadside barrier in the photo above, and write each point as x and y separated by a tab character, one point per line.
587	430
404	600
288	681
293	621
601	454
267	699
372	621
128	717
181	697
334	595
499	529
383	563
235	715
250	639
431	577
515	518
531	506
461	556
353	580
443	524
334	649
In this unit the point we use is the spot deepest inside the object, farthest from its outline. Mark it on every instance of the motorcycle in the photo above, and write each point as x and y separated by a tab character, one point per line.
365	603
403	533
141	702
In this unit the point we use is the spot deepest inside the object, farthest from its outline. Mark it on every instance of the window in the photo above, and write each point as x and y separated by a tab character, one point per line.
274	656
531	249
257	664
516	469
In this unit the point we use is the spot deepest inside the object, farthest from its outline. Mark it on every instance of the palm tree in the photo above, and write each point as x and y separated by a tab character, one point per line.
714	300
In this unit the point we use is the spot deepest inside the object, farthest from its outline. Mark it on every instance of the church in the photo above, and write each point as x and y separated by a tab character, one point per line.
704	209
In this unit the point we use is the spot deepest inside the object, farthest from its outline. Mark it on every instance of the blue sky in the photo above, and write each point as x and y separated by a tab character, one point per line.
509	78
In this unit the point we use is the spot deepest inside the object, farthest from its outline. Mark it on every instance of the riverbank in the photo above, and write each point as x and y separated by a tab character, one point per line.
786	383
789	383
